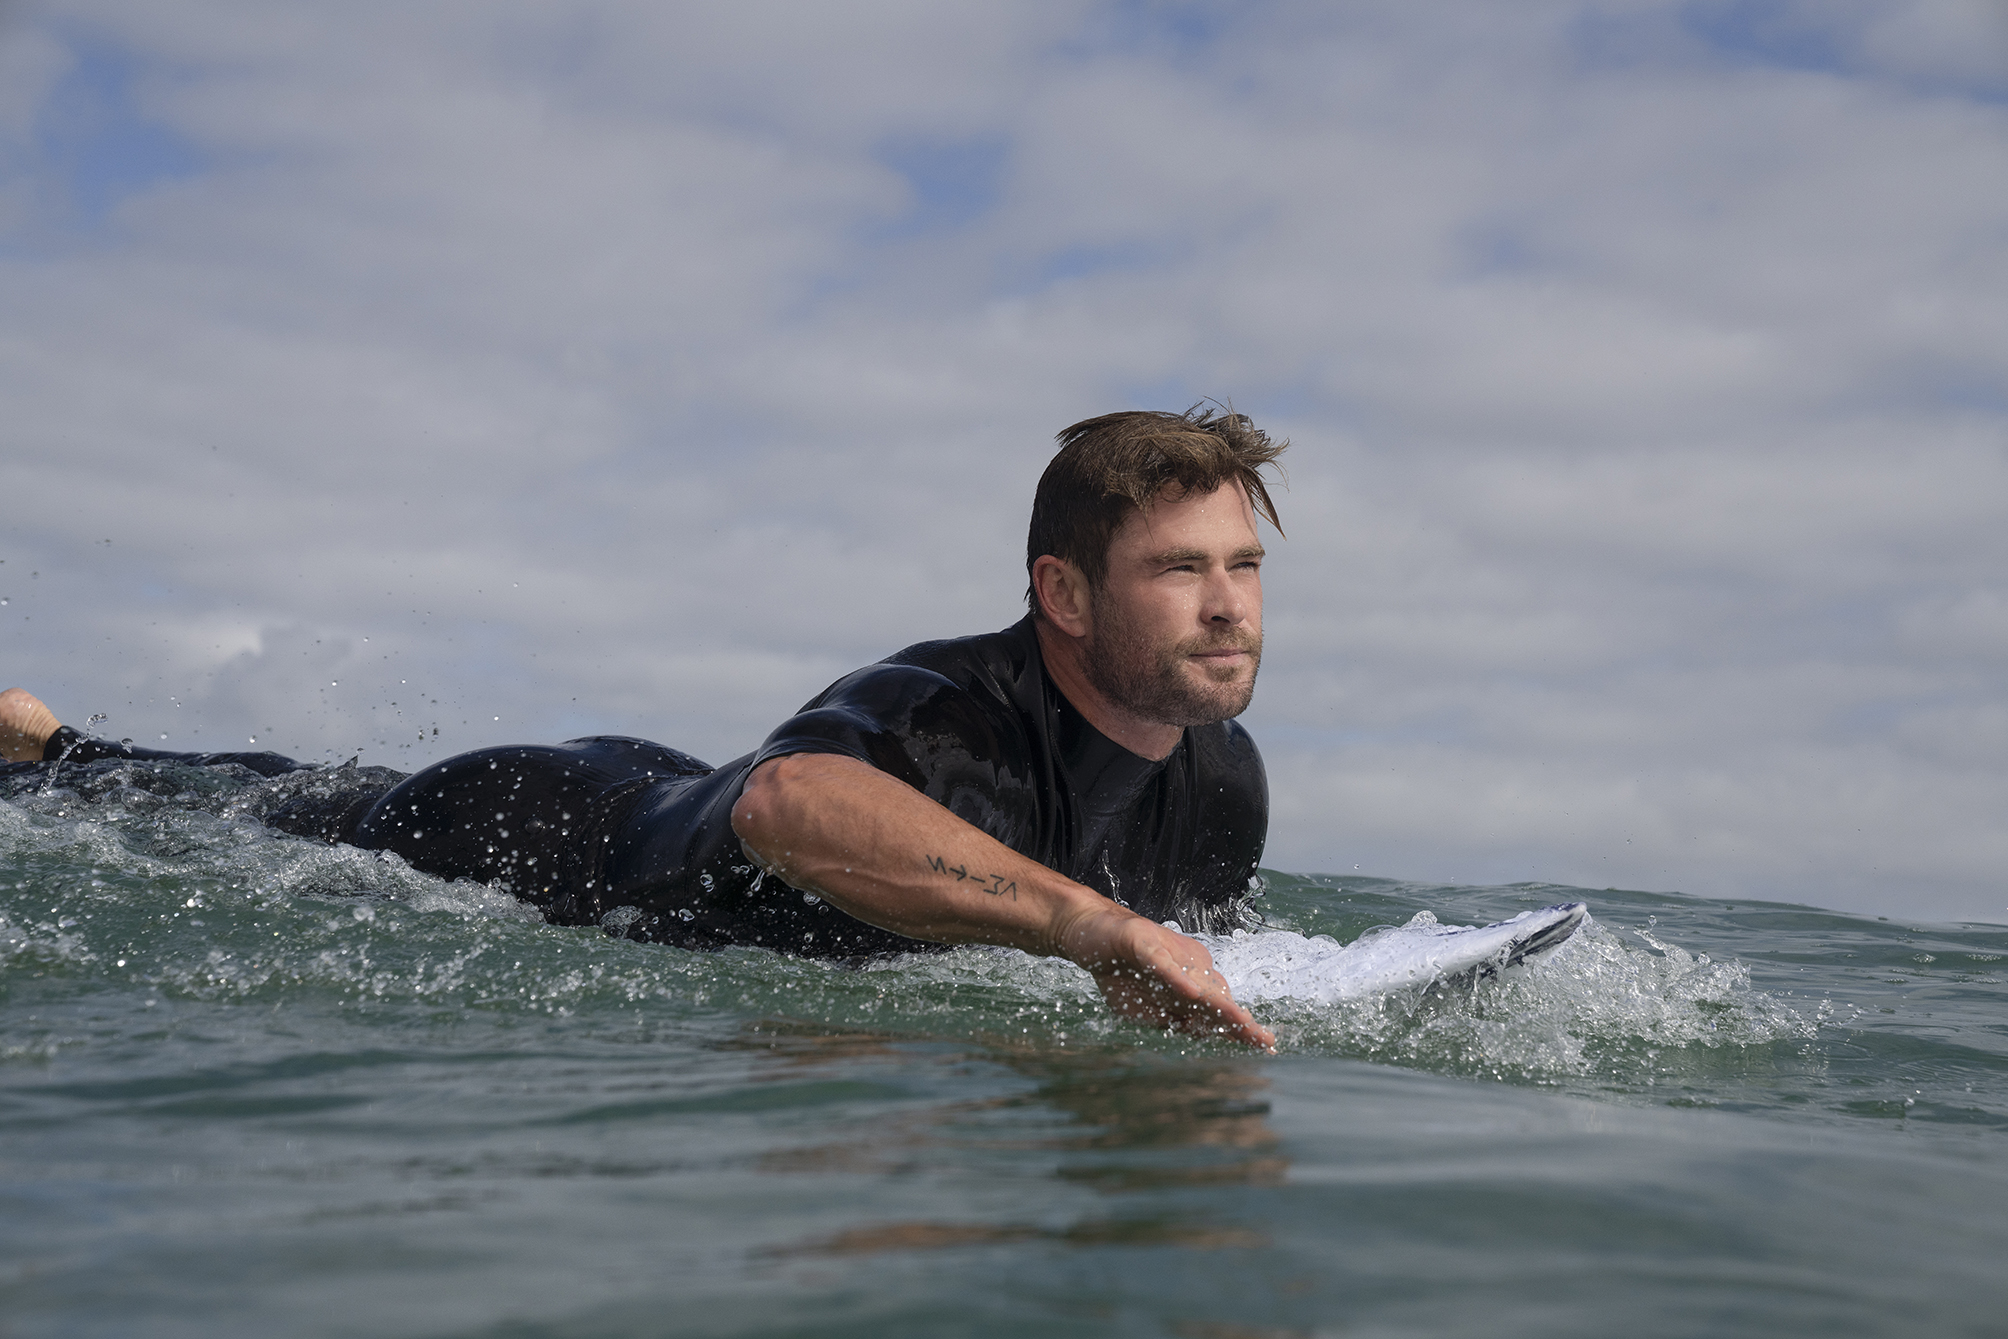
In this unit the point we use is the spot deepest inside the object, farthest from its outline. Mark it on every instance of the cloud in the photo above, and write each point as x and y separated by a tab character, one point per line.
641	369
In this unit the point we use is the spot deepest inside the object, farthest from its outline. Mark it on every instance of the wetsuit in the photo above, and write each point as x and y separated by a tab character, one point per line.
638	837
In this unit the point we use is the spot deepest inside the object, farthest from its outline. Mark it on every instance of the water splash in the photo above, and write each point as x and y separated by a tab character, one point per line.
97	718
1595	1006
160	876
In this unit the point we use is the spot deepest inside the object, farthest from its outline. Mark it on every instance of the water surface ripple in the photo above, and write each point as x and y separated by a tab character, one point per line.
251	1085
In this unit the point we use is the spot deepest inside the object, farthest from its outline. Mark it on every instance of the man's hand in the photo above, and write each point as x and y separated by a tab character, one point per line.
1156	975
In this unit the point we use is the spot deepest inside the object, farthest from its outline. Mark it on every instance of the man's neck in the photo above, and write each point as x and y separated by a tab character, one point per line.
1066	665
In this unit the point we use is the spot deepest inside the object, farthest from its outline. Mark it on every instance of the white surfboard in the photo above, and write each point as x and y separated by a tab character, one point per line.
1419	955
1402	957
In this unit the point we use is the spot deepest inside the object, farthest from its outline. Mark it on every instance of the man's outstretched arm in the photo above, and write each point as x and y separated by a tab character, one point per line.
888	855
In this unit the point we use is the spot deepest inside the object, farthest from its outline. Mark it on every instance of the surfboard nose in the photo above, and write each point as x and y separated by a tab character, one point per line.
1556	924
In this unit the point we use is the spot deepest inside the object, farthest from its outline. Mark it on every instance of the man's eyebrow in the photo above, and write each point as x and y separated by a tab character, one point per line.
1169	557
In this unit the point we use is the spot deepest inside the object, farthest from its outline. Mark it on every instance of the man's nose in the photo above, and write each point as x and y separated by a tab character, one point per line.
1226	600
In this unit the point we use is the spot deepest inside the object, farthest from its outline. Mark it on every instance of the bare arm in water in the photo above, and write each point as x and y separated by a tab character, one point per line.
890	856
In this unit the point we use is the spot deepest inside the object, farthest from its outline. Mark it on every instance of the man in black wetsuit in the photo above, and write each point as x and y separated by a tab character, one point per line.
1060	787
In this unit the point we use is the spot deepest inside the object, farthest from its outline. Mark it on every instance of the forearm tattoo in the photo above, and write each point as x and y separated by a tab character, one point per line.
994	884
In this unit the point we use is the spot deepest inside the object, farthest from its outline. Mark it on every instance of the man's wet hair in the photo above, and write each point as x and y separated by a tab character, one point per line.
1111	466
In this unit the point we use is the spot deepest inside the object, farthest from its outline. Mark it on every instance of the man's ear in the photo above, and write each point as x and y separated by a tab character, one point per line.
1063	595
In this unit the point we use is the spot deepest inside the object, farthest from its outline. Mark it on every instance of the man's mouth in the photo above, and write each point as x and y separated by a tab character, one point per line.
1221	657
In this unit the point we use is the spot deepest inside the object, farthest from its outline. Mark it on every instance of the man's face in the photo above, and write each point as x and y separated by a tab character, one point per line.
1177	624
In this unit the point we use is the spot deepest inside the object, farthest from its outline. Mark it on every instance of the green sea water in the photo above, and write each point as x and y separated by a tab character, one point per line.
250	1085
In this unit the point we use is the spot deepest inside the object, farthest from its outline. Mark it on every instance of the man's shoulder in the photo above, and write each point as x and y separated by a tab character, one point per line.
992	674
1001	657
914	710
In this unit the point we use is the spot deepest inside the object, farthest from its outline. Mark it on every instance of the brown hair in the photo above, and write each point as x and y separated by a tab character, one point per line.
1113	465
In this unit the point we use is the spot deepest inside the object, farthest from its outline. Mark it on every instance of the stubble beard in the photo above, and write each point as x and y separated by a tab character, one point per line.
1153	681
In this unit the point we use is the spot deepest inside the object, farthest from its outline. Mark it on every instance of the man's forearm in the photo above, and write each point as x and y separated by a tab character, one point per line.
885	853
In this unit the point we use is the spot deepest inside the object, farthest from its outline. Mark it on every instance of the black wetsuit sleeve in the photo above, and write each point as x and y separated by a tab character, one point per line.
893	717
68	745
952	744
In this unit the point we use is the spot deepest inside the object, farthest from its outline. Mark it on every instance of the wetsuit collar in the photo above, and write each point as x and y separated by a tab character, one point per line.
1095	763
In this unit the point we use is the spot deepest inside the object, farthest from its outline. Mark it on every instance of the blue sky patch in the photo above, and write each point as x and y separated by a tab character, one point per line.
1188	24
953	183
98	144
1495	247
1777	35
1081	262
1768	32
1183	30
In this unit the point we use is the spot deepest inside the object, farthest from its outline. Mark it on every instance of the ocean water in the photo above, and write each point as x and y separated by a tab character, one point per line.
253	1086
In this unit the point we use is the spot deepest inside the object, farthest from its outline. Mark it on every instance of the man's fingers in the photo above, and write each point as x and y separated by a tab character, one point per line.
1168	995
1149	1005
1155	975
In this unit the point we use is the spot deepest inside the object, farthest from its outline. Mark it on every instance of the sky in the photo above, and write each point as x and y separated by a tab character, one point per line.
396	380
